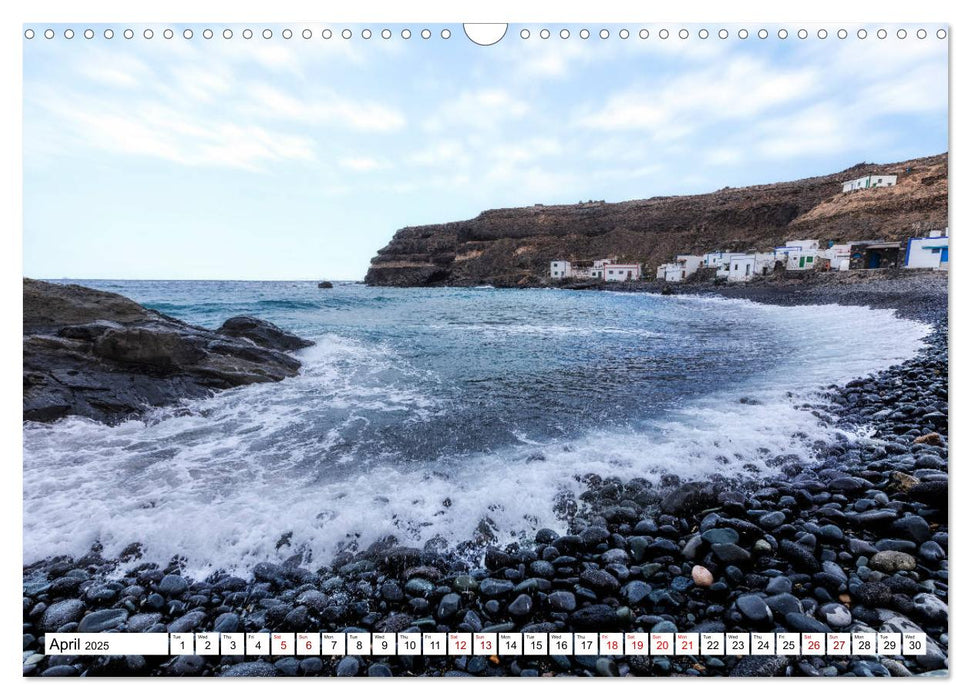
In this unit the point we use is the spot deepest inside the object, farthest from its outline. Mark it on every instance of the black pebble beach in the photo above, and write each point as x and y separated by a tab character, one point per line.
857	541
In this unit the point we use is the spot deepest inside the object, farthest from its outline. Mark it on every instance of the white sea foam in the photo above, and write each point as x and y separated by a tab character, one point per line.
221	482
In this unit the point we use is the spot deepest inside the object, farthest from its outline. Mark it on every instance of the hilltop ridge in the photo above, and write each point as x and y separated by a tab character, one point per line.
513	247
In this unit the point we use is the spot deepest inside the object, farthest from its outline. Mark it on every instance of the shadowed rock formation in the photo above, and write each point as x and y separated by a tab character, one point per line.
100	355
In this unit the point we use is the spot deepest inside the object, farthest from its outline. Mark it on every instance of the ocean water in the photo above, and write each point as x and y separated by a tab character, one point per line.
419	412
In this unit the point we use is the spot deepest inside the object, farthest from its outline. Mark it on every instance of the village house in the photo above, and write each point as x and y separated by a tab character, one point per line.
560	269
683	267
781	252
744	266
621	272
802	260
716	259
872	255
583	269
869	181
838	256
930	251
598	269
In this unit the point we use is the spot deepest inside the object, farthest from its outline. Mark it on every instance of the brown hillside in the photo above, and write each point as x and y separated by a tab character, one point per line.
507	247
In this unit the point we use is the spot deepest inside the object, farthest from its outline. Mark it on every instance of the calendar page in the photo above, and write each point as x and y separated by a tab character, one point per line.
425	349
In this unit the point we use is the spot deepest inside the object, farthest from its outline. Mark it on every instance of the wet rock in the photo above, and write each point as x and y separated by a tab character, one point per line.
102	620
189	622
931	608
493	588
801	558
599	580
720	535
636	592
913	527
758	666
754	609
563	601
731	554
348	666
595	617
448	606
689	498
251	668
799	622
172	586
263	333
606	666
101	356
835	615
702	576
186	665
61	613
890	561
521	606
421	588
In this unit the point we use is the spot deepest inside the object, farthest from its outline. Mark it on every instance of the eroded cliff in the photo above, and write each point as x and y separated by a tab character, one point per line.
510	247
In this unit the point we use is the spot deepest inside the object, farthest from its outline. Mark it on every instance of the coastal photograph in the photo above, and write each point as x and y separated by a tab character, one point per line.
547	341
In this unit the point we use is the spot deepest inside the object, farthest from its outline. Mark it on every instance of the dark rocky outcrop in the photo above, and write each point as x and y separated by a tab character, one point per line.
514	247
263	333
325	285
100	355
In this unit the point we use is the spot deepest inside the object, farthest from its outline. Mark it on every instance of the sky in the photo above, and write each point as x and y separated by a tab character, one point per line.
277	158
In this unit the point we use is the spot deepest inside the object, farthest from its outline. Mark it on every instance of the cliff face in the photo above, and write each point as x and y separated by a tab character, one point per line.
509	247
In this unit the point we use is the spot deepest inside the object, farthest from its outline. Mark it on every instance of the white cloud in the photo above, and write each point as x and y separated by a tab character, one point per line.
155	129
115	69
740	88
441	153
363	164
724	156
328	108
526	150
201	84
484	109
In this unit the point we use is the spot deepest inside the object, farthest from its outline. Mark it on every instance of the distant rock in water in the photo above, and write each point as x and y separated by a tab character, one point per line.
101	355
325	285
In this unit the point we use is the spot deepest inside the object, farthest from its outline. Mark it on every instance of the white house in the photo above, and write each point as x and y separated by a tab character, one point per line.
838	256
745	266
560	269
598	270
865	183
670	272
930	251
804	259
717	259
621	272
683	266
784	252
804	244
690	263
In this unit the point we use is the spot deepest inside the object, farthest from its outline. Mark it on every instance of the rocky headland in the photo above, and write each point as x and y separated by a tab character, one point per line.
102	356
514	247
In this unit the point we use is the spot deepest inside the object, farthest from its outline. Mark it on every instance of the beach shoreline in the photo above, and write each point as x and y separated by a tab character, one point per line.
801	552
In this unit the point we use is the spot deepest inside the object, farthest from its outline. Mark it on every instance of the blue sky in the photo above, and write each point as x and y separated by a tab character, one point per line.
297	159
